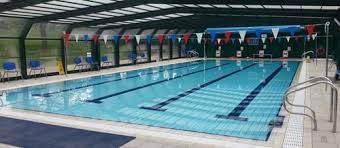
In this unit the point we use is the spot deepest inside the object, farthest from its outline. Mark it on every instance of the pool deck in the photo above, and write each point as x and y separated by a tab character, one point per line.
153	137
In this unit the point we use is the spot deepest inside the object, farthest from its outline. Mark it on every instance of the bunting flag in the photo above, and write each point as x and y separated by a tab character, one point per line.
137	39
288	38
218	41
227	37
314	36
66	39
186	37
233	41
105	38
263	40
160	38
94	38
271	39
275	32
179	40
310	29
240	40
86	38
308	38
173	37
126	38
258	34
296	38
116	38
212	36
76	36
242	34
305	38
292	32
148	39
199	37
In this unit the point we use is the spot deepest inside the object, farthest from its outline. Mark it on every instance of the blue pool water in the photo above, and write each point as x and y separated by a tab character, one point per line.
215	96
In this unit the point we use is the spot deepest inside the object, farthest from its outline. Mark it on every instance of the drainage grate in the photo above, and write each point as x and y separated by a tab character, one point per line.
294	132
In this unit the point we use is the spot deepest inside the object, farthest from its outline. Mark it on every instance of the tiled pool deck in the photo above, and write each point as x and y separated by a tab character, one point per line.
150	137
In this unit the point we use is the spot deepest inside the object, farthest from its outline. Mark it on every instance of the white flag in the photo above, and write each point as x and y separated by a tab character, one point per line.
77	37
240	40
287	37
105	38
275	32
263	40
199	37
179	39
314	36
242	34
137	39
218	41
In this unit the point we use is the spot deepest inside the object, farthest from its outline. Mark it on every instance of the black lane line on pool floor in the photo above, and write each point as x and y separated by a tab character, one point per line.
237	111
98	100
158	107
100	83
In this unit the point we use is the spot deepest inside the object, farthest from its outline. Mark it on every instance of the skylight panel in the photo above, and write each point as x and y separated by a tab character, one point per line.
55	7
272	6
221	6
104	1
61	22
80	19
254	6
177	5
122	23
205	6
190	5
162	6
99	15
21	13
151	18
237	6
13	15
291	6
311	7
67	4
67	20
89	17
184	14
32	11
141	20
134	10
83	2
110	13
43	9
122	12
330	7
146	7
173	15
161	17
131	22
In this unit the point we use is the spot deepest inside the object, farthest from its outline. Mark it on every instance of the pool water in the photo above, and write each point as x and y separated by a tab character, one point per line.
220	97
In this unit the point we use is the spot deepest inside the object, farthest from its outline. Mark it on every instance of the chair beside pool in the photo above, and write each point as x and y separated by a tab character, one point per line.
132	57
106	61
78	64
90	63
141	56
34	66
10	67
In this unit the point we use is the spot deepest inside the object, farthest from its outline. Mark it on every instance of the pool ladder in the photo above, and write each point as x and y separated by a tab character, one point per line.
313	57
312	82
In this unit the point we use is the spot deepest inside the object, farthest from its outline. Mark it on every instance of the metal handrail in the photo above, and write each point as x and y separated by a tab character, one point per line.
305	53
334	104
310	80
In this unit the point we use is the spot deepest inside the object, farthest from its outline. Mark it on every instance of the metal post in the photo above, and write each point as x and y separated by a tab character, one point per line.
335	110
327	33
316	52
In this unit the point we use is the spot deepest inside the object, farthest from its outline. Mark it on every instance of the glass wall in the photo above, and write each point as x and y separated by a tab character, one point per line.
10	29
124	51
166	49
175	49
142	50
108	51
154	50
43	43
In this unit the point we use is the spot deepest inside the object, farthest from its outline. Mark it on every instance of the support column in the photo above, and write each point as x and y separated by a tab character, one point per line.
95	52
22	49
134	48
170	48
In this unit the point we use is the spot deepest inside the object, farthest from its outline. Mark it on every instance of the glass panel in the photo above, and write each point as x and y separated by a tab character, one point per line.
48	52
9	51
47	30
83	31
108	51
11	27
77	49
142	49
175	49
166	49
124	51
154	50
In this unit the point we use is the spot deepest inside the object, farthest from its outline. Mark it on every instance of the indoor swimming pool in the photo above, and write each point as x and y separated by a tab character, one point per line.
219	97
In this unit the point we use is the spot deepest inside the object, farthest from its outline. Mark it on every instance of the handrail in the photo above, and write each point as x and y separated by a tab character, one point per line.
335	104
310	80
305	53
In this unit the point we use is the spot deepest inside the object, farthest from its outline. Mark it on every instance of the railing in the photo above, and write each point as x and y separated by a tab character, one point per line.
313	82
305	53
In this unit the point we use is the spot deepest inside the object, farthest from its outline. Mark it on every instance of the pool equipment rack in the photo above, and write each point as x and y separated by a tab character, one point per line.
313	82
